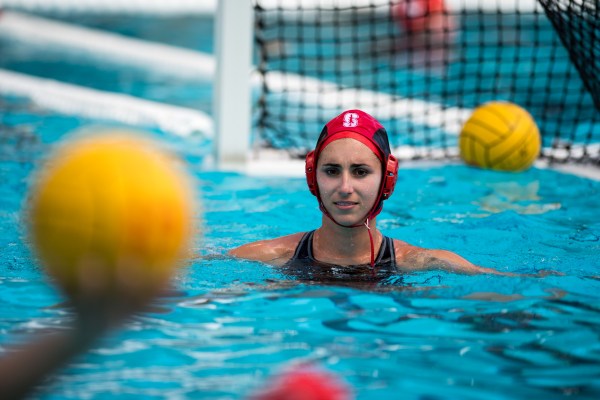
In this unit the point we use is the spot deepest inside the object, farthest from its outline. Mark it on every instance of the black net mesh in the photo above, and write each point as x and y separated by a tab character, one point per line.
421	66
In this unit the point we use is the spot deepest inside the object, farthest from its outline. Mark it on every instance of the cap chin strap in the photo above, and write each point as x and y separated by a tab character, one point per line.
372	247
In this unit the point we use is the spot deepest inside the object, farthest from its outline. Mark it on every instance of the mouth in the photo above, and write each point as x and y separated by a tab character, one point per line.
345	205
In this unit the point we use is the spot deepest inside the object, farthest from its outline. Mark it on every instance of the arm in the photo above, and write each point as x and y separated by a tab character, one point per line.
417	258
413	258
99	306
23	368
274	252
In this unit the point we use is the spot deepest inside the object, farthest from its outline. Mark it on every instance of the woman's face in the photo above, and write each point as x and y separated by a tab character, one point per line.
348	176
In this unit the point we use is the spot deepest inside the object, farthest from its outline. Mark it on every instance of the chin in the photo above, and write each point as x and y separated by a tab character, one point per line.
348	221
348	224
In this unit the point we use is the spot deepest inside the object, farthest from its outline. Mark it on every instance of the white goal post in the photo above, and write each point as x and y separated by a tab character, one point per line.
232	91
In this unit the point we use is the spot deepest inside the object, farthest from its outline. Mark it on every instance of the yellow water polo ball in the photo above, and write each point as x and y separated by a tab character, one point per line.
501	136
111	212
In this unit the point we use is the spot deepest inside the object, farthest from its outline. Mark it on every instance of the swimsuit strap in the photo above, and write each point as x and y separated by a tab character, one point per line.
387	254
304	250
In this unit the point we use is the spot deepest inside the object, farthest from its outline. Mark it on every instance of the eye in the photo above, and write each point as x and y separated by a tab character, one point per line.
361	172
331	171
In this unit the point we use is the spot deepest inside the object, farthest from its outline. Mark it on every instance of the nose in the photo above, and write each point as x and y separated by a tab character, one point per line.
346	184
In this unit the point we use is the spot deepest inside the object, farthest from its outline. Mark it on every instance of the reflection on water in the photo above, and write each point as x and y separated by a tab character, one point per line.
517	197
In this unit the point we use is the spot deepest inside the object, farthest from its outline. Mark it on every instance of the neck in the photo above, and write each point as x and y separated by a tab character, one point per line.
341	245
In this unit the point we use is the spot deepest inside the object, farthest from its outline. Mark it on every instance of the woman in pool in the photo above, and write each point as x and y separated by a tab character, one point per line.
351	172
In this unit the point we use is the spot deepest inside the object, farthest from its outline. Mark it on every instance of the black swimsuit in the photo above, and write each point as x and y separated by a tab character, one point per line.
304	266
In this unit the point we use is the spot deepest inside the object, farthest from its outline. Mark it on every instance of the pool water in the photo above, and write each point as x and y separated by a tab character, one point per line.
229	325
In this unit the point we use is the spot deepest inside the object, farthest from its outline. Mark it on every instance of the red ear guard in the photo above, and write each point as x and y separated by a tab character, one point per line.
311	173
390	177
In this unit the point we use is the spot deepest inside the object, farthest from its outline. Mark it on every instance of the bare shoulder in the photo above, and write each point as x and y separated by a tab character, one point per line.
405	250
272	251
414	258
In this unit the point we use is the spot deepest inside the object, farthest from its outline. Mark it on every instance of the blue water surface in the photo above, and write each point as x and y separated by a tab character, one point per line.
231	324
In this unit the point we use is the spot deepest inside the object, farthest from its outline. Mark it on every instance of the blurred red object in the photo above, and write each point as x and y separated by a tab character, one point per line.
420	15
305	384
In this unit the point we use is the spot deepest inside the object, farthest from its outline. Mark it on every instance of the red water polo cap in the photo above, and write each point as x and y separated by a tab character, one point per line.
353	124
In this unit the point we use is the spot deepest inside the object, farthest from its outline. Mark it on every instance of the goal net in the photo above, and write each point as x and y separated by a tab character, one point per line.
422	66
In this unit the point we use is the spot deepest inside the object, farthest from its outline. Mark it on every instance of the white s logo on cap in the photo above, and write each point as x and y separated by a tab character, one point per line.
350	120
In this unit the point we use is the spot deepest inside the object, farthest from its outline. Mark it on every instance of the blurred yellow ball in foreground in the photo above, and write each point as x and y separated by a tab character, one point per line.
111	212
501	136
